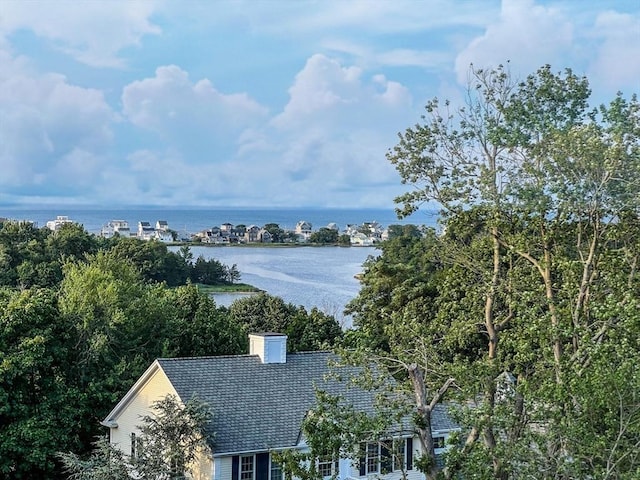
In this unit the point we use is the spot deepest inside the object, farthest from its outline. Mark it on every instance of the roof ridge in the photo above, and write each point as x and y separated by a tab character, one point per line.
206	357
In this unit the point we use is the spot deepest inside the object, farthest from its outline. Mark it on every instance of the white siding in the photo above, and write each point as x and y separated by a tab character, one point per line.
222	468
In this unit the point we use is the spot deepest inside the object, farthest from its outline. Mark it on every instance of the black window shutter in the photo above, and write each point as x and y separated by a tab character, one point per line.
262	466
363	451
409	453
235	466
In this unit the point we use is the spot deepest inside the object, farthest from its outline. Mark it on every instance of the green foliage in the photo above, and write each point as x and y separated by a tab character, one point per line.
266	313
37	415
169	440
201	329
324	236
277	233
105	462
153	260
534	278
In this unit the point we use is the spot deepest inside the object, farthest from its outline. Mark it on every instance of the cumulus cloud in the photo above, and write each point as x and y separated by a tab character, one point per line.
526	34
331	137
187	112
75	30
50	129
326	91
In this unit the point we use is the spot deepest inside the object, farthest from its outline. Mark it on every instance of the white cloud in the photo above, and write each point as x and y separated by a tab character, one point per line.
325	92
526	34
175	107
380	17
47	120
616	61
331	137
94	33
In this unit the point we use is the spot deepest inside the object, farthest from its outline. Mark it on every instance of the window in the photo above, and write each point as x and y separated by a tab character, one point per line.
247	469
384	457
276	471
399	454
373	458
327	467
438	442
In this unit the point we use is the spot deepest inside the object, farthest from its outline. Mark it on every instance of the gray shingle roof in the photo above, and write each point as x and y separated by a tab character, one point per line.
259	406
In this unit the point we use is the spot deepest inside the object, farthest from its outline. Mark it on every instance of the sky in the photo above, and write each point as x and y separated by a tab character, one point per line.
258	103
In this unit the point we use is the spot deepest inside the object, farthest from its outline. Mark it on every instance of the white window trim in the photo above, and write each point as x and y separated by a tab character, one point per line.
271	465
253	467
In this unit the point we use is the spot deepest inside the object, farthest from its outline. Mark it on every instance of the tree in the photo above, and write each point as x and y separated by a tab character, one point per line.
120	324
38	414
170	438
198	328
208	272
535	190
277	233
232	274
153	259
324	236
104	463
266	313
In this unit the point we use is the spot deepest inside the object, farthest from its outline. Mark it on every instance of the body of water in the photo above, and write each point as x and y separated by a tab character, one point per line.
322	277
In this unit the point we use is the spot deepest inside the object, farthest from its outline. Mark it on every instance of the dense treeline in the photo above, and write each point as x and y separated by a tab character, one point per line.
82	317
31	256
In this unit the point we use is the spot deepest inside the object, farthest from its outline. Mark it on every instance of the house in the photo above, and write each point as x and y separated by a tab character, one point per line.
145	231
259	402
60	220
252	234
162	226
116	227
361	240
303	230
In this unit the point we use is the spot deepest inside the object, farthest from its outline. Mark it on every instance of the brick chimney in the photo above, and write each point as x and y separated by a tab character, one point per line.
271	347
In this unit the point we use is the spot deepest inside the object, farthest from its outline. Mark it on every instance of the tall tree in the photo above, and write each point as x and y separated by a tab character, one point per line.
37	400
535	190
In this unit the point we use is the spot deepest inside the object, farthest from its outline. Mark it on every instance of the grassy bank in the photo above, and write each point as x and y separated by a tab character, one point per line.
227	288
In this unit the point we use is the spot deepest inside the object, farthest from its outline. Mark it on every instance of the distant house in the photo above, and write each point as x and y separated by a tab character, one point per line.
251	234
116	227
333	226
303	230
265	236
255	234
162	226
259	402
55	225
362	240
145	231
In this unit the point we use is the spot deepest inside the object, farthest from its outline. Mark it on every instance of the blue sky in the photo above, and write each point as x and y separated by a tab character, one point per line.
262	103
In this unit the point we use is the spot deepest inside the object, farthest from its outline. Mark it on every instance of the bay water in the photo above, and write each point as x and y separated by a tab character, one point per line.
321	277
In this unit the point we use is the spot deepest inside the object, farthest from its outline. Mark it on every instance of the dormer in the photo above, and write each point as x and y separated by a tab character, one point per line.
270	347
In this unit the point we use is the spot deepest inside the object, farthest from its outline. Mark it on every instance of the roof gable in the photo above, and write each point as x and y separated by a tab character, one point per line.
152	384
